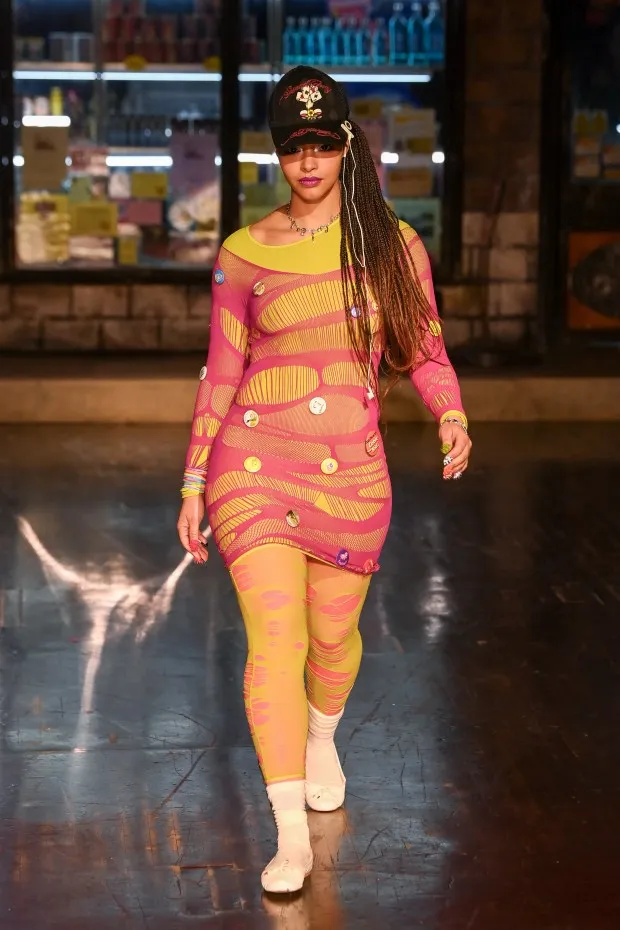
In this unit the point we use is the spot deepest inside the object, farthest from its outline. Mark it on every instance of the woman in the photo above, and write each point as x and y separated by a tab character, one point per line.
285	443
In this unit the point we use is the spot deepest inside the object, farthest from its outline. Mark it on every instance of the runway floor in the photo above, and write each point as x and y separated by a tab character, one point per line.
480	743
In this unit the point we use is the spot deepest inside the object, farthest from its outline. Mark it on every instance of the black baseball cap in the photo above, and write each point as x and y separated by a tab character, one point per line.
307	107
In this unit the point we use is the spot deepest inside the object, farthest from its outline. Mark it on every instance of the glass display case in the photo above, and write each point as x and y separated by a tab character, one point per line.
125	130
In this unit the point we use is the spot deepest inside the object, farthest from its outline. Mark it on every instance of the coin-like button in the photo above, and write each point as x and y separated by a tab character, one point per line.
372	443
252	464
354	312
342	558
203	373
219	277
329	466
258	289
250	418
318	405
292	518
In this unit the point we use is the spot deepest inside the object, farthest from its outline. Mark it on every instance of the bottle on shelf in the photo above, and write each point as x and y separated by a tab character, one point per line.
314	51
398	36
350	41
339	43
380	43
363	44
434	32
304	42
326	42
57	107
416	35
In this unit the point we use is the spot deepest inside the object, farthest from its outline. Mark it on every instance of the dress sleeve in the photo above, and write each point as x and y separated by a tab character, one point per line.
221	375
433	376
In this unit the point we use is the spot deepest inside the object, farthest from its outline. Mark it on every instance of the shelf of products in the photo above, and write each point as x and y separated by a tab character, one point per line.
117	119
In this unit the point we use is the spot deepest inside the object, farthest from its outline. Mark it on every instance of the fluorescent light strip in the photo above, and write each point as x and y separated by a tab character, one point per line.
389	158
43	122
258	159
184	77
371	78
210	77
378	78
54	75
138	161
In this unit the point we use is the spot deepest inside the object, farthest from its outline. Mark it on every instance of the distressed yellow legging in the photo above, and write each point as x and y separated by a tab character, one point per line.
301	618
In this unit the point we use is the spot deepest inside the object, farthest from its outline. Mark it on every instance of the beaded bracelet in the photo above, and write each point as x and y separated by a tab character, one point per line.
455	416
460	423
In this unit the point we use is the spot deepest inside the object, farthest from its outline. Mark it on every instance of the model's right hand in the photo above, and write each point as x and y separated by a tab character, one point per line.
188	526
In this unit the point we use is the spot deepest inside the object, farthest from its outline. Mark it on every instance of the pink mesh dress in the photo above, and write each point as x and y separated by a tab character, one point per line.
283	433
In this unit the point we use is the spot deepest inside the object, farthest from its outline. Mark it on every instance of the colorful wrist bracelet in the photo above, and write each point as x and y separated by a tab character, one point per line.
193	484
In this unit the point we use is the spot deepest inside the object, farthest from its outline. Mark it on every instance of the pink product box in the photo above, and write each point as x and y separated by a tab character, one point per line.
141	212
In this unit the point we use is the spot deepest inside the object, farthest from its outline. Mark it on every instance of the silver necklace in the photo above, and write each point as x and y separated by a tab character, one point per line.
303	230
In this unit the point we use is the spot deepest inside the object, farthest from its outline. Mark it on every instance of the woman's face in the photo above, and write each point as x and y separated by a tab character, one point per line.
311	170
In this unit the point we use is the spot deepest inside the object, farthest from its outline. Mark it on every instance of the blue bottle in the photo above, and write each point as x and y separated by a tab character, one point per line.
416	35
380	44
350	41
326	42
397	27
290	43
305	50
364	44
339	43
434	33
313	41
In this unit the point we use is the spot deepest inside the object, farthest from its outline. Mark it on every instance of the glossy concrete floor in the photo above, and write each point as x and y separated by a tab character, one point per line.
480	744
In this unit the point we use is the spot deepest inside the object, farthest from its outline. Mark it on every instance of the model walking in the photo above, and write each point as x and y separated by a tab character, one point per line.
285	445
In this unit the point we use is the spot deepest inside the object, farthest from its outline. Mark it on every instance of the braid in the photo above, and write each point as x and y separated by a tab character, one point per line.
390	273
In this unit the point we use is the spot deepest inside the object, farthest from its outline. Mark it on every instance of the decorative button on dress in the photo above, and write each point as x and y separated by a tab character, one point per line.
283	430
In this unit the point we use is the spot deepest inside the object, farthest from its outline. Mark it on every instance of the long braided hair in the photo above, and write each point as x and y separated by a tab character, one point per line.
371	234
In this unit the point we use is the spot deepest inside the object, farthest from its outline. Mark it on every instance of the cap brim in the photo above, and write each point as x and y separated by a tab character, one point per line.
326	134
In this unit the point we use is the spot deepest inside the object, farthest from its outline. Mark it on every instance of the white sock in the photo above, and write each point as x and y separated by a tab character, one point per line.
322	765
288	801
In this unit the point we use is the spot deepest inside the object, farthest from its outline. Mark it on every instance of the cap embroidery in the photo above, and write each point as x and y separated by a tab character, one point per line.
322	133
310	94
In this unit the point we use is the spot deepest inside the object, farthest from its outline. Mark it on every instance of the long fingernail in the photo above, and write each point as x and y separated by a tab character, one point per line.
447	460
445	448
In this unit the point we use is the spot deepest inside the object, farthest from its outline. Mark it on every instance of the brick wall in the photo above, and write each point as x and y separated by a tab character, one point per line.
499	235
501	164
61	318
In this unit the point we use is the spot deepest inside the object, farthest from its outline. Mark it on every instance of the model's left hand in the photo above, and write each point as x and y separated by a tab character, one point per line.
456	449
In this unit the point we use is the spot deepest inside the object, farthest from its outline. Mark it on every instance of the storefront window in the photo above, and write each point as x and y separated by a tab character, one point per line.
390	58
118	116
593	194
117	133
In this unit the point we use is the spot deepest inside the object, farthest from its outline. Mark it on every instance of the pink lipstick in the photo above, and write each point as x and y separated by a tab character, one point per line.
310	182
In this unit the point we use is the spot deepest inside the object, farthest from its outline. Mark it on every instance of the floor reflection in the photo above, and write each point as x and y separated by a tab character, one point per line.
479	743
